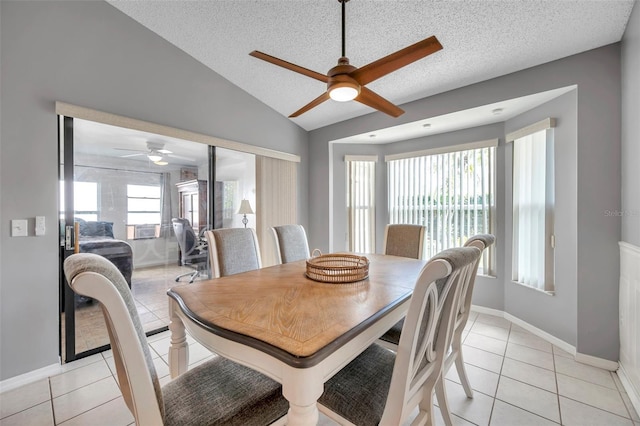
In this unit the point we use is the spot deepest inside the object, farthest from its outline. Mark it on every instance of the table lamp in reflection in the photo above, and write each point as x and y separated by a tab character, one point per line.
245	209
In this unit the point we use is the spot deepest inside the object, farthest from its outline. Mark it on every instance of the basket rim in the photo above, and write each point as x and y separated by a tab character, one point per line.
363	261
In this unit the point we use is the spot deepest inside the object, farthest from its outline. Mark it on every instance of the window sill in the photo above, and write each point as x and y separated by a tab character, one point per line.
480	274
548	293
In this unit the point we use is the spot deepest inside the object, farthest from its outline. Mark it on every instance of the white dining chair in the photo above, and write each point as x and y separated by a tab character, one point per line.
232	251
291	243
218	391
391	338
382	387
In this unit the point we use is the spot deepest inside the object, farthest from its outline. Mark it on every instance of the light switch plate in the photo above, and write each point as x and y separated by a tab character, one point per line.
40	227
19	228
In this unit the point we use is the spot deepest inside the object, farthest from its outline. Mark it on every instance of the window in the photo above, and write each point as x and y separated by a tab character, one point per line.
361	207
143	204
85	200
533	200
449	190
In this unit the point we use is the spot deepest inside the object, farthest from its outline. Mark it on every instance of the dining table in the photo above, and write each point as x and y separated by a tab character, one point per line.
296	330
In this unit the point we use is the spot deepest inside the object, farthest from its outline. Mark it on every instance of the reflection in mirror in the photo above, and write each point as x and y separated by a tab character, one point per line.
128	187
235	181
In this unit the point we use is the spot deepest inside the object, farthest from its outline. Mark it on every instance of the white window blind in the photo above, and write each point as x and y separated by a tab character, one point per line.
532	262
451	193
361	210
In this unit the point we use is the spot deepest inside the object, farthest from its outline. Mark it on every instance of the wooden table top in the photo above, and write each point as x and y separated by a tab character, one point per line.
280	311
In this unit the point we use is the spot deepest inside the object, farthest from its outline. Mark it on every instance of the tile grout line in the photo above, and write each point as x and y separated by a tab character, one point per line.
555	378
53	411
493	403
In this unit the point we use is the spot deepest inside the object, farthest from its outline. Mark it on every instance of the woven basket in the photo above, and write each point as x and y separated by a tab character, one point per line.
338	268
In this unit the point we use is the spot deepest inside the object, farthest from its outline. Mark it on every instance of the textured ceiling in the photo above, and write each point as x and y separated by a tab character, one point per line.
482	39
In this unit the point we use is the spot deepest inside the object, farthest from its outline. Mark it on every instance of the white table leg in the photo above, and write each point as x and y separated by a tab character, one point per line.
179	350
302	388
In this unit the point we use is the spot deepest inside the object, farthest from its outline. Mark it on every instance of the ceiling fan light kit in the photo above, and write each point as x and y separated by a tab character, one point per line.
346	82
155	153
154	157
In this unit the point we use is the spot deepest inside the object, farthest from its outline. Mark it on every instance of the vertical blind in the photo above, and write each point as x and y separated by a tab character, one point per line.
530	211
361	210
276	201
451	193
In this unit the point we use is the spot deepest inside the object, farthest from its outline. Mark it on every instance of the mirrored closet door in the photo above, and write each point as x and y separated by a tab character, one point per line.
142	201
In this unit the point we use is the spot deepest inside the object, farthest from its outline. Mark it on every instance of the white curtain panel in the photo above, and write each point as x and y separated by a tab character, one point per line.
529	203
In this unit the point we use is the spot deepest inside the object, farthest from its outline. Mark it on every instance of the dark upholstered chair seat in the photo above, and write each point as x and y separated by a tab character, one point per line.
393	334
359	391
221	392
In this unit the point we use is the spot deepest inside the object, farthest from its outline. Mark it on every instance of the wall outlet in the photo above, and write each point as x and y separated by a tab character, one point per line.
19	228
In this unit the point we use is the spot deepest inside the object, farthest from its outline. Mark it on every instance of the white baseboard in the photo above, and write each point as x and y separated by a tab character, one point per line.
632	392
488	311
605	364
583	358
30	377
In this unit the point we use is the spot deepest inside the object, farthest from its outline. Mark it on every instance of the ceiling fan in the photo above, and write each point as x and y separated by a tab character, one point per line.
155	153
346	82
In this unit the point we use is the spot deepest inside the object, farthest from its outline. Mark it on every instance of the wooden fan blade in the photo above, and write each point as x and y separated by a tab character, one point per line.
288	65
388	64
372	99
314	103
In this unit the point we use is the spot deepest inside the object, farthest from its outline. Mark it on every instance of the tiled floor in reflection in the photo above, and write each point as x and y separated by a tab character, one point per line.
149	288
518	378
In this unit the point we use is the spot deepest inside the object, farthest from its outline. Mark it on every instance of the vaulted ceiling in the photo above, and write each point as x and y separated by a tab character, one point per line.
482	39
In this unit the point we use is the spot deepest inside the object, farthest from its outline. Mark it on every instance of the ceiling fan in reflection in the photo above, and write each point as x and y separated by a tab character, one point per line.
155	152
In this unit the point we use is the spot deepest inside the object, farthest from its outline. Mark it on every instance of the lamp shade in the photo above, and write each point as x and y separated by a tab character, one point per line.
245	207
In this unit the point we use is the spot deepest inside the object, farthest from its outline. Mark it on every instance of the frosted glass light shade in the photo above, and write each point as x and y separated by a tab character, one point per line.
343	93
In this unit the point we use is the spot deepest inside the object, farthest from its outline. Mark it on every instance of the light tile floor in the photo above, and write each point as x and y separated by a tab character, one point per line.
518	379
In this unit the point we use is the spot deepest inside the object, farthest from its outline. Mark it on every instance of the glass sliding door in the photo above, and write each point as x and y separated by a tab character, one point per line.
121	192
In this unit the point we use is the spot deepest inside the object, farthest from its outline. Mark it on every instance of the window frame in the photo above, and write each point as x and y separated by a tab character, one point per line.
158	198
356	242
78	214
488	263
548	239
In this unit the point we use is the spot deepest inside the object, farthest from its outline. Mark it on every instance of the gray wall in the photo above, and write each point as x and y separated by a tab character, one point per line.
631	129
597	76
90	54
556	314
